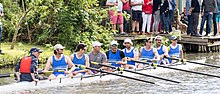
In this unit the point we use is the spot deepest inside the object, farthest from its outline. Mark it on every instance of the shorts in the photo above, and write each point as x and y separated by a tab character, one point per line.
136	15
218	18
116	17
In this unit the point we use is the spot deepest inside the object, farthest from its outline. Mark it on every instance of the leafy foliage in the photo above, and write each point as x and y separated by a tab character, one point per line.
68	22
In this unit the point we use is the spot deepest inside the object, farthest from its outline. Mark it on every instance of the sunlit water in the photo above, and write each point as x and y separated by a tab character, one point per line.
191	83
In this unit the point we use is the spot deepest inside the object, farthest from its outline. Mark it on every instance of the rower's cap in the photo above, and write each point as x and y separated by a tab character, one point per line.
58	46
96	43
158	37
127	40
114	43
173	38
35	49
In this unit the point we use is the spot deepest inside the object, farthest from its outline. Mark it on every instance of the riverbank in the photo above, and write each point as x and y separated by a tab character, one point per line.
11	57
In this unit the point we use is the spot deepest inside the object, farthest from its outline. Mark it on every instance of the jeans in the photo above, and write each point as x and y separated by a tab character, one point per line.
156	20
171	14
165	22
189	28
127	23
195	22
215	23
207	16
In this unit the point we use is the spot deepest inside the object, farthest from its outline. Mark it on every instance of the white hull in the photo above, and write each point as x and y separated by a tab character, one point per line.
76	81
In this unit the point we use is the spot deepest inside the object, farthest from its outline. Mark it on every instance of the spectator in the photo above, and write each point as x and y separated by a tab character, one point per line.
164	12
214	18
172	6
126	9
194	12
156	15
189	28
1	15
116	16
218	17
147	15
208	7
136	14
184	18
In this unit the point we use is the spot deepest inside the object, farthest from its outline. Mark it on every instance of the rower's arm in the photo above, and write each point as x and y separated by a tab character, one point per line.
156	54
70	64
181	52
49	62
87	61
140	50
17	68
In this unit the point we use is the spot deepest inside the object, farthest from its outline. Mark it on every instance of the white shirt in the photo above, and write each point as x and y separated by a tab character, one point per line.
120	4
137	7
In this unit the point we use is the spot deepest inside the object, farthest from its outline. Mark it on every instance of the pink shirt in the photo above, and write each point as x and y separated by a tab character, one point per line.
126	6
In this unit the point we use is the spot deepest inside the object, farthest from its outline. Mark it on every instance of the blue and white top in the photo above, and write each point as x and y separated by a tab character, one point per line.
59	65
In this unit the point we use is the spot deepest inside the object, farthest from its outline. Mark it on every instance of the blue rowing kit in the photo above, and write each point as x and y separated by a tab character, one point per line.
130	55
59	65
80	61
174	52
114	58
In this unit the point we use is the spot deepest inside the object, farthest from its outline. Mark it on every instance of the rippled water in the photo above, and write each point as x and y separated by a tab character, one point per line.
191	83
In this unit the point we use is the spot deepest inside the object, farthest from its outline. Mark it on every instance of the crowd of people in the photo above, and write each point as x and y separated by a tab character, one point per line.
126	58
156	16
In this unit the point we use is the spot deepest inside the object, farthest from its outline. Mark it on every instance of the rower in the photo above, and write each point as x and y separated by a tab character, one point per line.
161	49
130	52
97	56
59	61
115	56
148	52
175	49
27	66
80	58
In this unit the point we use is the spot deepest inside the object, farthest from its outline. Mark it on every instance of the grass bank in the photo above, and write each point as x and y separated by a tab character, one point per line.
11	57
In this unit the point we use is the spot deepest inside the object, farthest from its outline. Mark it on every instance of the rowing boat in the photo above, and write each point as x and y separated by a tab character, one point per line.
92	79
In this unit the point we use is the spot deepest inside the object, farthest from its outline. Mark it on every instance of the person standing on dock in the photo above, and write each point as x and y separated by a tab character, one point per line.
156	15
97	56
1	15
130	52
147	15
194	12
115	14
136	14
164	14
208	8
189	28
175	49
161	49
148	52
59	61
115	56
27	66
218	17
126	10
80	58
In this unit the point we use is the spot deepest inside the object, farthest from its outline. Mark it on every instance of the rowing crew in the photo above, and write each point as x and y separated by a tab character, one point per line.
26	69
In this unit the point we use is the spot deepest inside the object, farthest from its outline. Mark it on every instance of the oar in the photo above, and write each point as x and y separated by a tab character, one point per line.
94	69
39	72
184	60
122	69
7	75
176	69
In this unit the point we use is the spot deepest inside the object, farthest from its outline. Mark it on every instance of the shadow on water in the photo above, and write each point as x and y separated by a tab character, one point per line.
191	83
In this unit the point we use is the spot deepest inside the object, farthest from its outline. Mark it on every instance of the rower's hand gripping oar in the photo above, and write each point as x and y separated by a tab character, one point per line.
184	60
180	69
85	67
122	69
150	64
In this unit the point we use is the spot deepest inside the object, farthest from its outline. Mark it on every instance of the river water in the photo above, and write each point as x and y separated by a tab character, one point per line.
191	83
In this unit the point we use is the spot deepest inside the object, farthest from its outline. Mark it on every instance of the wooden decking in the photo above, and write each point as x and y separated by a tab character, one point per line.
190	44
